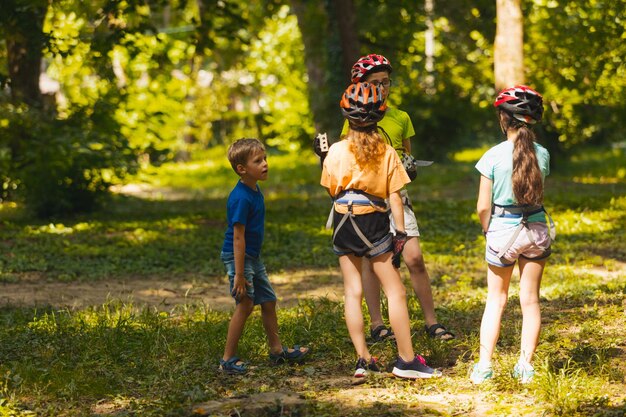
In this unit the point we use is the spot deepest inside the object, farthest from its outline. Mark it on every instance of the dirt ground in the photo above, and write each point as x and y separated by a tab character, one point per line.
164	294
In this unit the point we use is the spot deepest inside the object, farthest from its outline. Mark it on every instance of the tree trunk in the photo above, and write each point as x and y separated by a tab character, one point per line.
313	24
25	41
348	35
330	49
508	46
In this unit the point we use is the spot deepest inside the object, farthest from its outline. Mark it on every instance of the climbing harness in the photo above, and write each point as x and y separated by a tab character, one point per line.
351	198
524	212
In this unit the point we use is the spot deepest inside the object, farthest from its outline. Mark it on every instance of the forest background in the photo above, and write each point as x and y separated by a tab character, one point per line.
93	91
115	117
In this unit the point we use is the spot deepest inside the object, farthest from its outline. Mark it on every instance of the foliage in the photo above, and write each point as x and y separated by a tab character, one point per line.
64	165
583	90
179	76
450	105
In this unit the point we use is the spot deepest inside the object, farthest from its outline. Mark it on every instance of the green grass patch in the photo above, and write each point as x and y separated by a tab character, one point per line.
126	359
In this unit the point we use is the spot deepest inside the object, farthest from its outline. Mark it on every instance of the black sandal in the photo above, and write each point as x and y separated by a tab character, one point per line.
382	333
444	335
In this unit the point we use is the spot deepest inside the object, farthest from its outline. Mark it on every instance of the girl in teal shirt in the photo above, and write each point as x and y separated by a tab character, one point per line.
510	209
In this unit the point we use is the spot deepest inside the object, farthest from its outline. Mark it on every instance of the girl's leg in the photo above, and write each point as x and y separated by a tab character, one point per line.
420	280
398	311
371	289
530	281
351	271
498	280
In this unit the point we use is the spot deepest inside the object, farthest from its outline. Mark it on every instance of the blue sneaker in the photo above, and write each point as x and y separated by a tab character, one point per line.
415	369
524	372
362	367
481	373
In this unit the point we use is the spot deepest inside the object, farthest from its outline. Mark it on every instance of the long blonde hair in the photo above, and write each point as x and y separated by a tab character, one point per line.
368	148
527	178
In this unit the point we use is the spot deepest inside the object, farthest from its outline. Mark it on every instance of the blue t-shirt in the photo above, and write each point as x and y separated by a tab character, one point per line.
497	165
247	207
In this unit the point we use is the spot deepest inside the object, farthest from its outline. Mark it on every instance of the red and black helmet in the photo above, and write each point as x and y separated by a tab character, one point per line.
367	63
521	102
363	103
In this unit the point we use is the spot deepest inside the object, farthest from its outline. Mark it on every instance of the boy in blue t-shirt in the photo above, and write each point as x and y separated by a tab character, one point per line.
249	283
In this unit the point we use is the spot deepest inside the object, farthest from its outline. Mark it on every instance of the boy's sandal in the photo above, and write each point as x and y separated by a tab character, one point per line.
382	333
444	334
233	366
295	355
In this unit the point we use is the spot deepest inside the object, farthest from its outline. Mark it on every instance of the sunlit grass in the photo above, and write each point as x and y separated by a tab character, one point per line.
140	360
469	155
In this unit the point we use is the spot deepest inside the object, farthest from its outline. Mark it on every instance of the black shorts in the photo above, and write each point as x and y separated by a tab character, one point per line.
375	227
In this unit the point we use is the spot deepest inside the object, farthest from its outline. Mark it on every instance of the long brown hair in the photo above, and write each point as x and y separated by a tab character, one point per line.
527	179
368	148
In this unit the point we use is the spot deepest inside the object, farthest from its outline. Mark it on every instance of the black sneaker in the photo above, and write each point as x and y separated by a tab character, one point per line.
415	369
362	367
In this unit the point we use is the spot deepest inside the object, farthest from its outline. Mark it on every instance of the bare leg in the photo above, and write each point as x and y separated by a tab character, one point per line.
237	323
420	280
530	281
398	310
498	280
353	290
270	323
371	289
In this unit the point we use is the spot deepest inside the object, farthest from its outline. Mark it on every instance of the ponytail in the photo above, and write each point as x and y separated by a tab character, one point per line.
527	179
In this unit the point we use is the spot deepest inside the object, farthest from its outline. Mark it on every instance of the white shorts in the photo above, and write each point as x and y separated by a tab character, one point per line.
536	249
410	222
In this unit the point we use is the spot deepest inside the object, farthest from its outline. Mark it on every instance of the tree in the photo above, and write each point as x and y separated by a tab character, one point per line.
22	26
509	44
330	48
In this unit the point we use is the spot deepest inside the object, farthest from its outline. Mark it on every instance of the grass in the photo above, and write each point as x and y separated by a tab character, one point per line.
125	359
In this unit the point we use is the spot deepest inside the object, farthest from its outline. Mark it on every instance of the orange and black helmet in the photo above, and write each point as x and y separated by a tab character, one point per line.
521	102
363	103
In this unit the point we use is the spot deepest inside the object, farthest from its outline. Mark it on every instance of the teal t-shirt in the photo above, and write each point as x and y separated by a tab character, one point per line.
497	165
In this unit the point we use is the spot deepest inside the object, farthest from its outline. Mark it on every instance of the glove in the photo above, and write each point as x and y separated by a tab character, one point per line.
409	164
320	145
399	240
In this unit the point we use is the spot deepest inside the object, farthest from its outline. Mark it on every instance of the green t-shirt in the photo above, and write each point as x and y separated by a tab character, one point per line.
396	123
497	165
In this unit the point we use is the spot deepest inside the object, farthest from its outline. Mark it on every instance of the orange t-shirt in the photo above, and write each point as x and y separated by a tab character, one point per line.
341	172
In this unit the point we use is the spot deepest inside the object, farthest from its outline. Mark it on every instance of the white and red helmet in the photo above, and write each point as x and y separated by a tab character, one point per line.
366	64
521	102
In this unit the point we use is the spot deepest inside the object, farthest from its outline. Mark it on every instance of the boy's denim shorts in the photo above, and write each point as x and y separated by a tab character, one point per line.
261	290
523	246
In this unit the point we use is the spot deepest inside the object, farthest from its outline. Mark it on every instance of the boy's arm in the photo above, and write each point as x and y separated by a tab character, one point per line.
406	144
239	250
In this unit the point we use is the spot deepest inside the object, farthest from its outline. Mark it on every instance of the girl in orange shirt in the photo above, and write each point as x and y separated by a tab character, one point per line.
359	173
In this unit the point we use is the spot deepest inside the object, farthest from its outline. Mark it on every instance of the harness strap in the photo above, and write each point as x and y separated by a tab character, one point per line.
350	215
523	212
515	211
518	229
356	198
